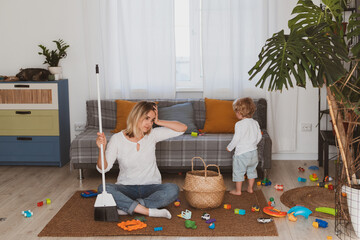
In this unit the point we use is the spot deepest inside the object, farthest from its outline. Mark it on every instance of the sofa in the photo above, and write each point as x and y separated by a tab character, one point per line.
175	154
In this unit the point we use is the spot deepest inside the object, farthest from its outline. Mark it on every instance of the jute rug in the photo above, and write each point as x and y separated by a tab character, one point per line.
310	197
75	219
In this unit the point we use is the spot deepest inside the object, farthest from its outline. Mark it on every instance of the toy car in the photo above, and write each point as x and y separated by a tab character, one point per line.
205	216
89	193
279	187
265	220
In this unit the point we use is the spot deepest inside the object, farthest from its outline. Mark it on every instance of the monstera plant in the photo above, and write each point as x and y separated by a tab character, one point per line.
318	49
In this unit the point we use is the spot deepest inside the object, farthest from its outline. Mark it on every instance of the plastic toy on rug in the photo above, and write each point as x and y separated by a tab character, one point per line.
266	182
300	179
279	187
89	193
190	224
328	179
265	220
291	217
313	177
132	225
255	208
177	203
140	218
212	226
274	212
210	220
185	214
321	184
227	206
313	168
27	213
300	210
205	216
156	229
239	211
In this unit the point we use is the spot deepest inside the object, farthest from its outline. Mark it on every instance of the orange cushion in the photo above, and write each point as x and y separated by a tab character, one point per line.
123	109
220	116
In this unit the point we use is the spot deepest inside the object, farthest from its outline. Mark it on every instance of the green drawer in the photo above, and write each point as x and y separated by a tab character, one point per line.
29	122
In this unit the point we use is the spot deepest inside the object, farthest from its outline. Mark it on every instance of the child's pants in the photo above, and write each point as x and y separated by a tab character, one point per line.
245	163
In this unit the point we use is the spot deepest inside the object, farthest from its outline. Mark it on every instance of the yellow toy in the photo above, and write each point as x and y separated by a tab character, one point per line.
313	177
292	218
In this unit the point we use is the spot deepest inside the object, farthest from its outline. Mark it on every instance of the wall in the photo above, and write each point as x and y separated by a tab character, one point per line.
25	24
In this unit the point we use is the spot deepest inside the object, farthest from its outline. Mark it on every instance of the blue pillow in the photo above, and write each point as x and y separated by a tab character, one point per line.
183	112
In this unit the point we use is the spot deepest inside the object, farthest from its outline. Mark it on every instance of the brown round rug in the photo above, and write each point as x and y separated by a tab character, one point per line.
311	198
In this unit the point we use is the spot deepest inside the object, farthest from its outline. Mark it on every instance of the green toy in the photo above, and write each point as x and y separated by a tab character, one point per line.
190	224
140	218
327	210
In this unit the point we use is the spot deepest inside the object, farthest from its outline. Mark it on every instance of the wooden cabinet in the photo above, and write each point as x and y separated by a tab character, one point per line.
34	123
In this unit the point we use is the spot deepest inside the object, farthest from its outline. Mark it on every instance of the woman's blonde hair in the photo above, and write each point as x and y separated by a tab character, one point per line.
139	110
245	106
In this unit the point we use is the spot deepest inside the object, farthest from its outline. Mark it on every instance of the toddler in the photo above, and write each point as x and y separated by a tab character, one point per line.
246	137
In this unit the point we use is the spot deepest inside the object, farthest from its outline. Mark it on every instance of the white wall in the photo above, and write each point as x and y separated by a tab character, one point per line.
25	24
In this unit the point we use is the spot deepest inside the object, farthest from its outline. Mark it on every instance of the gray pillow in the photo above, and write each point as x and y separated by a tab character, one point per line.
180	112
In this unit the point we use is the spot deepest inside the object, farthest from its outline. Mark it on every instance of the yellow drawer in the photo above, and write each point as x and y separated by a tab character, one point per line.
29	122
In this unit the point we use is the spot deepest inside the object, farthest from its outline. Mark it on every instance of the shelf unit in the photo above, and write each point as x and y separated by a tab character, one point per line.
34	123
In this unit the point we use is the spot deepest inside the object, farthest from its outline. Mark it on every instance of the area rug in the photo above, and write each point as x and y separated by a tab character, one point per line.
310	197
75	219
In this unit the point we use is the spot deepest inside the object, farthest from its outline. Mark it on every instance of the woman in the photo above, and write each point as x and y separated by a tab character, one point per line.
138	187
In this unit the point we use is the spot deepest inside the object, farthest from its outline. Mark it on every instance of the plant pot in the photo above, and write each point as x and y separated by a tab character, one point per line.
353	202
56	71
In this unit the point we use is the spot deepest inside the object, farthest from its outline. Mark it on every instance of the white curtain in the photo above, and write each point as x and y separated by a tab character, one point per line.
233	32
133	41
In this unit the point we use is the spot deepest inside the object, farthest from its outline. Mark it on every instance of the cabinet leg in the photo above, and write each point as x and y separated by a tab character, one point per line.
81	174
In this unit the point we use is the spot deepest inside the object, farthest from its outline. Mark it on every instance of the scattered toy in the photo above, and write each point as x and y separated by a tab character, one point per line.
313	177
331	187
212	226
39	204
227	206
140	218
300	179
279	187
255	208
301	169
177	203
327	210
327	179
258	183
190	224
265	220
300	210
321	184
48	201
211	220
320	223
205	216
27	213
343	194
266	182
329	237
274	212
313	168
156	229
132	225
291	217
89	193
194	134
271	202
185	214
239	211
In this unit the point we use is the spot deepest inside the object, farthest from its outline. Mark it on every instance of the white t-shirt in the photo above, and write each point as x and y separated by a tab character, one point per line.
136	167
246	137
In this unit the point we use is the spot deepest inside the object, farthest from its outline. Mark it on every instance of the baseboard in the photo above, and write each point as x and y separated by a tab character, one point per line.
298	156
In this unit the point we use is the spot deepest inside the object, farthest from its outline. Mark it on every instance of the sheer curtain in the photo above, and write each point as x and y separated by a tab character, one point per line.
233	32
133	41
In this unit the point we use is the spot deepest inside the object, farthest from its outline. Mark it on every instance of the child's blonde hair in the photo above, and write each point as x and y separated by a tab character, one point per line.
245	106
139	110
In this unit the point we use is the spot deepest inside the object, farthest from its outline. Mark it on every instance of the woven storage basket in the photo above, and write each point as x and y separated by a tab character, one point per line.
204	188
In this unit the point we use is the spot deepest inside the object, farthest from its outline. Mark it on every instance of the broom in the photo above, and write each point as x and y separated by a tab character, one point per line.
105	207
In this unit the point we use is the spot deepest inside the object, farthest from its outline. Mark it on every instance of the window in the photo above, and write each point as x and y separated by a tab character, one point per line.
187	43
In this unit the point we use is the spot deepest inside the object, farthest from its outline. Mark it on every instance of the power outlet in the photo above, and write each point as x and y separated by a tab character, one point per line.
80	126
306	127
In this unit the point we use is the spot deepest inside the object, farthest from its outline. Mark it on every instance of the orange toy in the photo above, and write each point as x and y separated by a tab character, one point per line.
274	212
227	206
132	225
292	218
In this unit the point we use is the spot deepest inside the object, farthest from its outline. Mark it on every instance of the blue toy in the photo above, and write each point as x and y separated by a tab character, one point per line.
300	210
320	223
212	226
239	211
300	179
89	193
158	229
313	168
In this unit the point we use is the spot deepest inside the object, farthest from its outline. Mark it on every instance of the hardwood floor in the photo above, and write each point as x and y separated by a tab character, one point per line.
22	187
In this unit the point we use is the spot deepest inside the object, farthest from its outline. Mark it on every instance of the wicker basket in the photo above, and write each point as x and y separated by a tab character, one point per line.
204	188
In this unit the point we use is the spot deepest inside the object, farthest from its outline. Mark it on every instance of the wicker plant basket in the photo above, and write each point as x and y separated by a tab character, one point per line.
204	188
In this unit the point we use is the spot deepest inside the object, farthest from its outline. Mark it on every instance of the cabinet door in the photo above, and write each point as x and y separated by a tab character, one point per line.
28	96
29	122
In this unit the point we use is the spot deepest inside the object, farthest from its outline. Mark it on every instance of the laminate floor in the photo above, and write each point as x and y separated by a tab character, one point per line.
23	186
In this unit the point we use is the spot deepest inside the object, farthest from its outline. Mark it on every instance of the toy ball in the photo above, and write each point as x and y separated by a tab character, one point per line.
212	226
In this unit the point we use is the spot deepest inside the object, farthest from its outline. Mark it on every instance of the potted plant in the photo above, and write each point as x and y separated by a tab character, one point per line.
53	57
318	49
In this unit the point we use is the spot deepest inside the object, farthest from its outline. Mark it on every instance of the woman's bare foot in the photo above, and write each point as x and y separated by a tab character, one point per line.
250	190
234	192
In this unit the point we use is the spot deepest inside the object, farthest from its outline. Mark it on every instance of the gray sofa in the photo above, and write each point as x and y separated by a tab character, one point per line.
173	154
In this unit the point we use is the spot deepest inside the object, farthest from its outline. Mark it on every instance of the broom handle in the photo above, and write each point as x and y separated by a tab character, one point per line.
100	127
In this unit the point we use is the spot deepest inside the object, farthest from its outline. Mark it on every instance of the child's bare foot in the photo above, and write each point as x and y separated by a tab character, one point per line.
250	190
234	192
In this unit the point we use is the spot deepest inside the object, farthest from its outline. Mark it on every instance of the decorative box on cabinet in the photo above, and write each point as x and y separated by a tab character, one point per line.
34	123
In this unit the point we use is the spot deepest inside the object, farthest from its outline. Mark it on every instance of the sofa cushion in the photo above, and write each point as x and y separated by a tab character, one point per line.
220	116
123	109
183	112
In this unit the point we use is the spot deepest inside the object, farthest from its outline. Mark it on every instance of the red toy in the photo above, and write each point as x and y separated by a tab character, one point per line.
39	204
227	206
301	169
279	187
